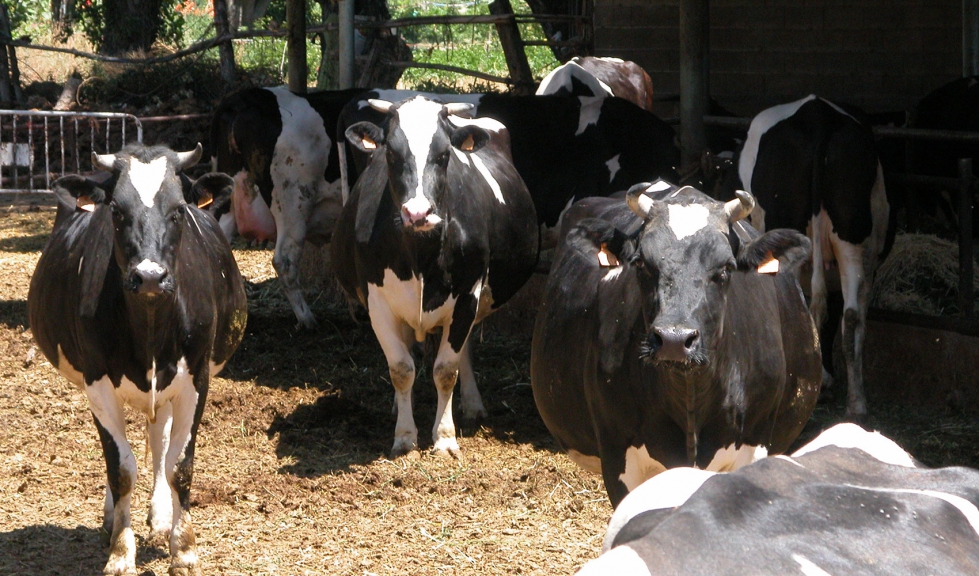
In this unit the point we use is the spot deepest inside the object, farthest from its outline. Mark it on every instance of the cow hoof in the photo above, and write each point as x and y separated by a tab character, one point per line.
119	567
856	414
185	571
403	448
473	413
158	537
447	447
306	324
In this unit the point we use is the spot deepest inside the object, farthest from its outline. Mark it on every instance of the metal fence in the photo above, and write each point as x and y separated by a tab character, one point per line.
38	147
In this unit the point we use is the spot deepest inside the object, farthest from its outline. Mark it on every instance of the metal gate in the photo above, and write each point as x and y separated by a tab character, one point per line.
38	147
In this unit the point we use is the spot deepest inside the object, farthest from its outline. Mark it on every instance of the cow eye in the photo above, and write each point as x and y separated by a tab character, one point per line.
723	275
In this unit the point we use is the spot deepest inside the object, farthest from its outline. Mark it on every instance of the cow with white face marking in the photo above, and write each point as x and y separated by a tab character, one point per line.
813	167
277	145
672	334
595	76
849	502
438	232
137	299
565	148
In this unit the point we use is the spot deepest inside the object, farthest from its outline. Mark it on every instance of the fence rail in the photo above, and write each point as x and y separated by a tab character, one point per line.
37	147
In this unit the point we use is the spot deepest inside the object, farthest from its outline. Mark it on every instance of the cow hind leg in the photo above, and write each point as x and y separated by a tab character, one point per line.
856	295
471	403
160	517
120	464
288	252
188	405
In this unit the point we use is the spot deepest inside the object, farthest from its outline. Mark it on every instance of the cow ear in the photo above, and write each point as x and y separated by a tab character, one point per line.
612	247
469	138
77	193
788	247
365	136
210	190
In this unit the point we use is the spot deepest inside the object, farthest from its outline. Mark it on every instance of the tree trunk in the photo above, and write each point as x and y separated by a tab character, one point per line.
513	50
225	50
130	25
327	77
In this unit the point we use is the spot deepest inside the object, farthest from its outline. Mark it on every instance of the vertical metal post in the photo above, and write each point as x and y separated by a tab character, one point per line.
970	37
347	56
694	75
296	42
965	238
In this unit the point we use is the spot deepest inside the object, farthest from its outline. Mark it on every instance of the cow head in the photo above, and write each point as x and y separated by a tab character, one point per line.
150	203
685	256
417	138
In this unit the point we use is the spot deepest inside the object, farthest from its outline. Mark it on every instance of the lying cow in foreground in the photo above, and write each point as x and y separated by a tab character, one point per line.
849	502
137	299
669	336
439	231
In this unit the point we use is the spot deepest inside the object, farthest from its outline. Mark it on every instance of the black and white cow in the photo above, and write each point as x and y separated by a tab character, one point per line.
594	76
565	148
137	299
277	145
813	167
849	502
672	334
438	232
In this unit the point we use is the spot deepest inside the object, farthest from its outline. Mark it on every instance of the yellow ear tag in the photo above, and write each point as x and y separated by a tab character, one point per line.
606	259
469	144
769	265
85	203
368	143
205	201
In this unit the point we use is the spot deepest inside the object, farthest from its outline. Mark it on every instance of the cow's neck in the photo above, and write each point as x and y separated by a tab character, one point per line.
155	324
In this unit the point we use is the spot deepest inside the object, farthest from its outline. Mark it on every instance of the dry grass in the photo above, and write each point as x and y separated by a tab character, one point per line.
292	475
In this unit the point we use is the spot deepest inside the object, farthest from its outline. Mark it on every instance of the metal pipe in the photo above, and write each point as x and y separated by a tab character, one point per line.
346	48
694	76
965	238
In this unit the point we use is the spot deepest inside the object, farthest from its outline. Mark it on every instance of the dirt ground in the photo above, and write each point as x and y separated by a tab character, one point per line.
292	474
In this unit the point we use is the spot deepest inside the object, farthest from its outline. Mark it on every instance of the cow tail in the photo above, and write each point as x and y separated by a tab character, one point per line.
692	421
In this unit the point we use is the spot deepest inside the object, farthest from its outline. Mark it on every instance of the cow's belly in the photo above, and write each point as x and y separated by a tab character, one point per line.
404	299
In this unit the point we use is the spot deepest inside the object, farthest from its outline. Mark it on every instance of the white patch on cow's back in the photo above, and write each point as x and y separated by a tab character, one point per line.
849	435
808	567
620	561
589	463
591	109
759	125
639	467
613	167
687	220
147	178
403	298
561	77
667	490
731	458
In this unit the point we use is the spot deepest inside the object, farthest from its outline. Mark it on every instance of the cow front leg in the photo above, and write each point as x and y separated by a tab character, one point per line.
395	337
288	252
120	466
455	337
188	405
471	402
160	518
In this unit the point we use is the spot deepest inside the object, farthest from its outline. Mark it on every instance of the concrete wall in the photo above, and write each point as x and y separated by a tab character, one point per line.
882	55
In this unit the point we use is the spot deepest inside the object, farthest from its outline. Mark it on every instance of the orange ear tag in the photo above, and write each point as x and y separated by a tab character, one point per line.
469	144
85	203
605	258
769	265
205	201
368	143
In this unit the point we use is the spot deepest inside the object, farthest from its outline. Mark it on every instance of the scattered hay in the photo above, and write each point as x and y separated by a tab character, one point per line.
920	276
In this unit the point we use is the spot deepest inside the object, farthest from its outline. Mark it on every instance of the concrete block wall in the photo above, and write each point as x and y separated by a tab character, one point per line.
882	55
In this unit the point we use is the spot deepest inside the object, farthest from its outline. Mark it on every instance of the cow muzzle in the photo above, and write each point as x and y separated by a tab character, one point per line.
674	344
150	279
419	214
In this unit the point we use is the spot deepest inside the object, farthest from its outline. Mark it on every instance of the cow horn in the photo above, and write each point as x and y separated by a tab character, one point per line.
382	106
104	161
188	159
639	202
740	207
458	108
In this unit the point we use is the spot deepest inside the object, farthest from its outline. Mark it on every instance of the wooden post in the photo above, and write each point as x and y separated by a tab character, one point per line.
9	73
347	57
966	288
225	49
516	59
970	38
328	76
296	44
694	74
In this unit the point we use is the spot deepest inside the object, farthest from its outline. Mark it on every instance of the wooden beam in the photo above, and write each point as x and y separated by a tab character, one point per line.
296	44
694	76
516	59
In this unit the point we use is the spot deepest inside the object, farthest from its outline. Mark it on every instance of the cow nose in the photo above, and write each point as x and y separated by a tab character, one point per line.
415	215
674	343
148	278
